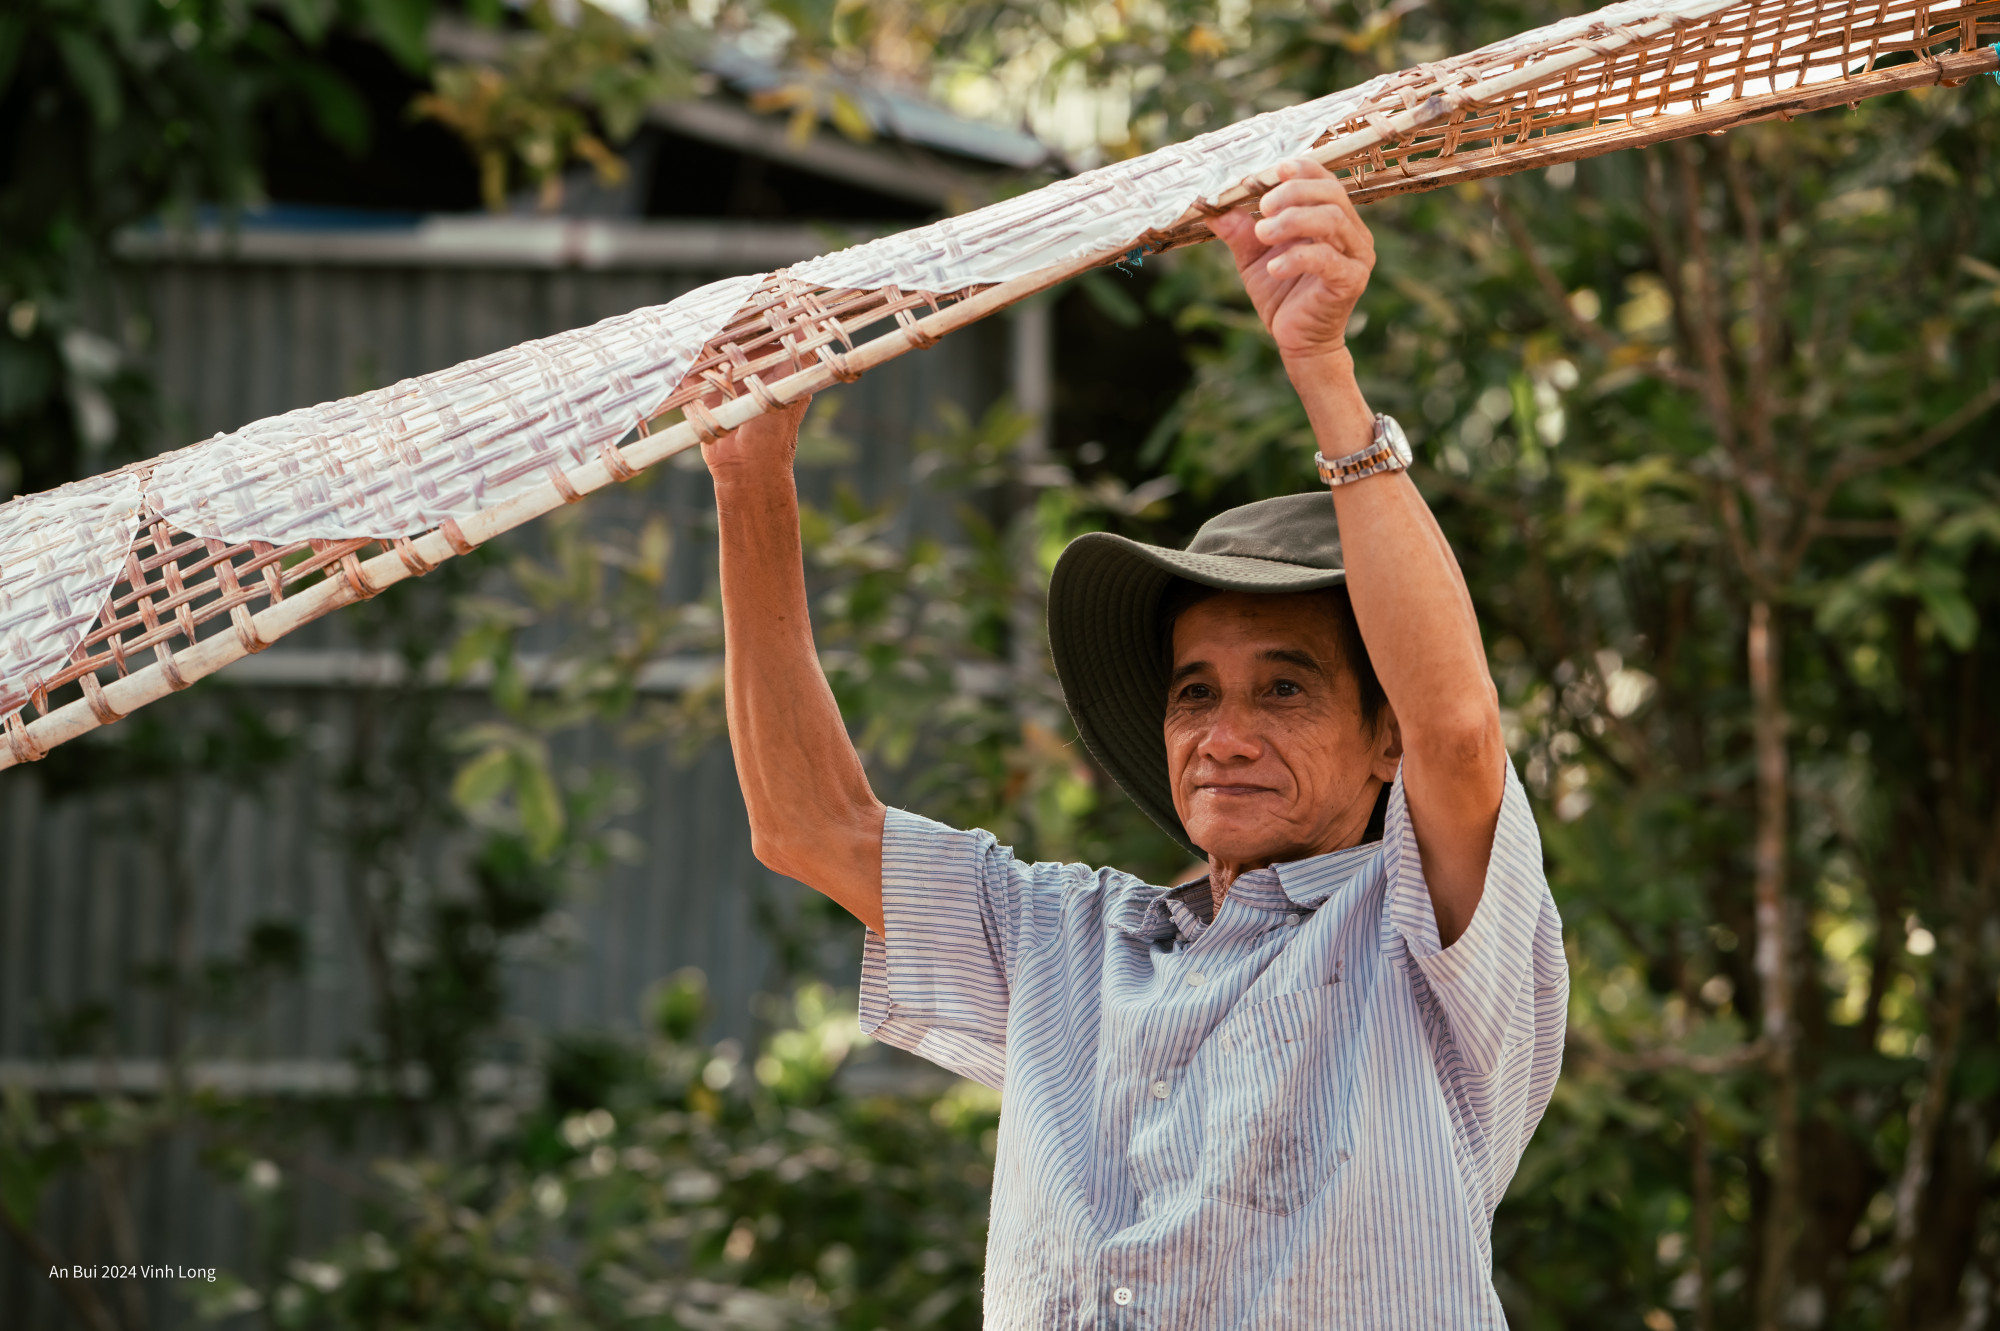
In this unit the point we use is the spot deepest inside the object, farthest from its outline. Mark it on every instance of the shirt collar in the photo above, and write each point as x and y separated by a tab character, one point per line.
1191	907
1309	883
1159	913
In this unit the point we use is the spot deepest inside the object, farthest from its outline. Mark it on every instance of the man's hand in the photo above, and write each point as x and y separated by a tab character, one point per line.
1306	262
759	450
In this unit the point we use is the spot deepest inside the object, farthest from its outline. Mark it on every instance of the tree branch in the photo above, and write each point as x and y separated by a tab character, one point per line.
1704	1220
1763	331
1552	288
1705	317
1770	854
1856	464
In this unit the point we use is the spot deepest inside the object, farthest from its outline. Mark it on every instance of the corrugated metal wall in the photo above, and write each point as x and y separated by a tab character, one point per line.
236	341
83	900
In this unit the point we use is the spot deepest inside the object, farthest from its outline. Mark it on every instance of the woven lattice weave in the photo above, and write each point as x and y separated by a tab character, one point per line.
125	587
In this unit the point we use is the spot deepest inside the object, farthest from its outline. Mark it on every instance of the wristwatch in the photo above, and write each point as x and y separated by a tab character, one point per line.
1389	450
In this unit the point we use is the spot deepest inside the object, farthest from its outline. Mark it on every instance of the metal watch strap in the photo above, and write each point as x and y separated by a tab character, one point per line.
1382	454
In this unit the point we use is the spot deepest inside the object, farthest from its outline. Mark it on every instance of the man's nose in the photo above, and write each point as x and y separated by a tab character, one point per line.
1233	735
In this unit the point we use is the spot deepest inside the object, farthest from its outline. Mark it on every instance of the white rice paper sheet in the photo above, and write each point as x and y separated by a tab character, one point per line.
60	553
400	460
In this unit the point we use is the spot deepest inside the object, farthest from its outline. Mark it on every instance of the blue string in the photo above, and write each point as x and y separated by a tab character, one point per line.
1996	51
1134	260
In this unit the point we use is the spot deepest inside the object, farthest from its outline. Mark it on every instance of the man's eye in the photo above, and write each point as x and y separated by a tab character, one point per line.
1195	693
1285	688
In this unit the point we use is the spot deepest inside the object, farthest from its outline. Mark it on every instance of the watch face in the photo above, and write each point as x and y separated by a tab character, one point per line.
1399	443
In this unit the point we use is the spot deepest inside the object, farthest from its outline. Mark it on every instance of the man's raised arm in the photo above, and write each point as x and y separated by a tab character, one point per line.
813	816
1305	263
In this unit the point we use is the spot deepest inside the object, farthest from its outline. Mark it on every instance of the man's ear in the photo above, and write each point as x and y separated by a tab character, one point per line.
1388	747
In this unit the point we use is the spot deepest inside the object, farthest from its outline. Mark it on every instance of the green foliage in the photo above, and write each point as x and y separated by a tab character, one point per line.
673	1186
598	595
538	107
111	113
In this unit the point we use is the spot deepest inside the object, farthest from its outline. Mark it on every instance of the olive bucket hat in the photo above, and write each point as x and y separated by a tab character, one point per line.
1104	624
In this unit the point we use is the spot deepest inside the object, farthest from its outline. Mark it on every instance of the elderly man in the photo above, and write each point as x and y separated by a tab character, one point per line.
1287	1094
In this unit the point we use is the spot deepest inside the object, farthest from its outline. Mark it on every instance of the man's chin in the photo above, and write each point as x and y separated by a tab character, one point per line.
1234	843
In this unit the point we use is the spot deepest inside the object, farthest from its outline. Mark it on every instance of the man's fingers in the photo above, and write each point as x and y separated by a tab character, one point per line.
1297	261
1324	222
1300	194
1305	183
1238	230
760	435
1303	168
1302	180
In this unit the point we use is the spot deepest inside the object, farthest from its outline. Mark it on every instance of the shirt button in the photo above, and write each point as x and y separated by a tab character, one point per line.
1293	921
1121	1296
1159	1090
1197	978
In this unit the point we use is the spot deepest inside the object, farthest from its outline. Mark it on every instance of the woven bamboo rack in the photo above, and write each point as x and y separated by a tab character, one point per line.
122	589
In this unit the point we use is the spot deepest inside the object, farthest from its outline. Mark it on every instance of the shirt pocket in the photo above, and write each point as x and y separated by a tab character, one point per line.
1275	1113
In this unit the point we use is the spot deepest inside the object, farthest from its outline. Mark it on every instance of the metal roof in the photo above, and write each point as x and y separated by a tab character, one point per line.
899	118
895	113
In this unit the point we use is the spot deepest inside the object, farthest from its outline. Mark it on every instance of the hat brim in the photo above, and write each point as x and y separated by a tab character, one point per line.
1104	633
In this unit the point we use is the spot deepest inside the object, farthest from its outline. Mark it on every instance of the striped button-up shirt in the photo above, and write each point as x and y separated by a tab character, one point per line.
1299	1114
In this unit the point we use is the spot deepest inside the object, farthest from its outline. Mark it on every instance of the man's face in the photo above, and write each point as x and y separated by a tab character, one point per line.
1269	755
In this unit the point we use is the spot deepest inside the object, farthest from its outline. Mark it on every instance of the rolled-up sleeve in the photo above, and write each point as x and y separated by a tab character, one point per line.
1496	980
938	985
964	919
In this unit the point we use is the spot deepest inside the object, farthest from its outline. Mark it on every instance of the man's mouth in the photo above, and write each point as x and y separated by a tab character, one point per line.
1231	791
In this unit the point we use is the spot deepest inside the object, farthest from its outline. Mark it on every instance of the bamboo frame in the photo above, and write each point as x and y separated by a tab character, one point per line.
186	605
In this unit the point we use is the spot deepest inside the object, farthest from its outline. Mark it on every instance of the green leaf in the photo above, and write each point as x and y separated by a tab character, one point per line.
1952	613
125	18
309	18
475	647
93	73
655	552
402	26
483	780
1522	394
622	116
850	119
338	110
1965	530
539	802
23	1169
20	1185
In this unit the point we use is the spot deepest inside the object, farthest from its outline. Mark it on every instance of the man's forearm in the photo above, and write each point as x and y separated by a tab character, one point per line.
1414	613
1408	591
813	816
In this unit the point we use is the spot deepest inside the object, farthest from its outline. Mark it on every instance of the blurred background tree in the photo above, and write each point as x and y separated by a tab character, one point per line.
1710	425
111	113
